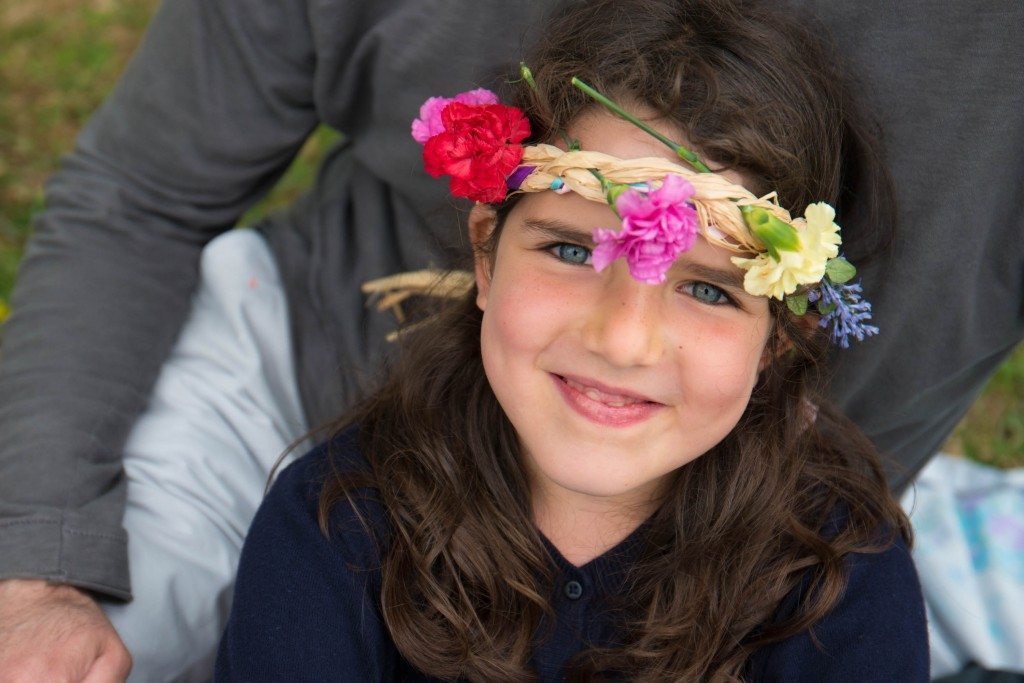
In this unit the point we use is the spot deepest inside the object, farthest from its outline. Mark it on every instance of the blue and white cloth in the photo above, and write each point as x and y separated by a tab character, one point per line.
969	551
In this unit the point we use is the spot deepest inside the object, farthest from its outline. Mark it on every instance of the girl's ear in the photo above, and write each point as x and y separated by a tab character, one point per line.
482	220
805	325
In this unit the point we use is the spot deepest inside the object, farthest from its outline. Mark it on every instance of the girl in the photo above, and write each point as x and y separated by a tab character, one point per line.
609	458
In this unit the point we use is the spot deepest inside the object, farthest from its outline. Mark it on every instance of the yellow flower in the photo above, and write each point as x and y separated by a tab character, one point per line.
819	241
4	310
821	235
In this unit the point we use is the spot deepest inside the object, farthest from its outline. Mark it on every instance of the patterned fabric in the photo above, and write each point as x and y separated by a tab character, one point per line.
969	551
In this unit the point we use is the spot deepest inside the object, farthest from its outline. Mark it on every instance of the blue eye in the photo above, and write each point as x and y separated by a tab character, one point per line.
572	253
708	293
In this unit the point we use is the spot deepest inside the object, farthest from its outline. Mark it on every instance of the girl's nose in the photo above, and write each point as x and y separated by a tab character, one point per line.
624	324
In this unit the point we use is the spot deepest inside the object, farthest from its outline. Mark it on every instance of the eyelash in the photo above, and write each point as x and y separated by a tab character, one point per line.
724	299
553	249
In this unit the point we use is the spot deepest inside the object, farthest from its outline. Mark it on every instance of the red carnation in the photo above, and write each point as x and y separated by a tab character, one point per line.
478	149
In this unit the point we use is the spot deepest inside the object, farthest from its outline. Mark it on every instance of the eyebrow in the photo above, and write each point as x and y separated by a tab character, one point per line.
717	276
558	230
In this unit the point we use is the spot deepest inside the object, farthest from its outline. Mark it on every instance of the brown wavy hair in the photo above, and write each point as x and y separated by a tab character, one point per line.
465	577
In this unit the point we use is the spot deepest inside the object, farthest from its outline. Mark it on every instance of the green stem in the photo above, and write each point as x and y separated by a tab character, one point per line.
611	190
611	106
605	184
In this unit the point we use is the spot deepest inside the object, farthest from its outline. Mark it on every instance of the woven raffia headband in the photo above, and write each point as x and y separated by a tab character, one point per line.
715	199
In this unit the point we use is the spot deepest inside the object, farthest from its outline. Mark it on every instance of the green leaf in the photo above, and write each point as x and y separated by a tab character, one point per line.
825	308
839	270
776	234
797	303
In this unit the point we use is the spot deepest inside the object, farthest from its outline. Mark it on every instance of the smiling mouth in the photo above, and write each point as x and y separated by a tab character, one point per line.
605	405
612	400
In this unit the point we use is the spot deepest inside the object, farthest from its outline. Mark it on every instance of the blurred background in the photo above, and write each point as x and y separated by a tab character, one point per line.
59	58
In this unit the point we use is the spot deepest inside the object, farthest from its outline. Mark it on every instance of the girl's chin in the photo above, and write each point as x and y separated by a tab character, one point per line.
595	473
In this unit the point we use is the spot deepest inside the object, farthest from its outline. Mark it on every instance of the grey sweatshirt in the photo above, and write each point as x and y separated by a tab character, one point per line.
221	96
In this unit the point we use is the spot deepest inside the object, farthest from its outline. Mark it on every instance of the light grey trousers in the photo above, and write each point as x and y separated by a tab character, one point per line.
224	409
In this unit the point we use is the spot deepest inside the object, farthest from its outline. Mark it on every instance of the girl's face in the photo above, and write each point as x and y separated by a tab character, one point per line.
610	383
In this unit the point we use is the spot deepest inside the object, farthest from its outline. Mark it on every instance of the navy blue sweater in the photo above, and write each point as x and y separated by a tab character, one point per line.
306	607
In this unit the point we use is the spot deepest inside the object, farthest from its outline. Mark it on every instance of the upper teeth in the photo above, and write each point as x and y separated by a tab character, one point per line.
612	400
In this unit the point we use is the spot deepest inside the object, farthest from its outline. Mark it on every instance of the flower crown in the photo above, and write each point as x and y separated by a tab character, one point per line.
477	142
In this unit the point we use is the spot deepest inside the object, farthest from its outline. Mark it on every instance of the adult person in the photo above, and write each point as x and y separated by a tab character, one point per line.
217	102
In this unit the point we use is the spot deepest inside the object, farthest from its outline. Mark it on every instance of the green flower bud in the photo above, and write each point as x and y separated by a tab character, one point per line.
527	75
776	234
613	191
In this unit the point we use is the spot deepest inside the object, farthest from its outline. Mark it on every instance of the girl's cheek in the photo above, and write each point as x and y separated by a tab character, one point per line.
515	312
531	301
720	353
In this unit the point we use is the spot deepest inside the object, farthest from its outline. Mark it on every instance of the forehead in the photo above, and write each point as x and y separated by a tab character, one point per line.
600	131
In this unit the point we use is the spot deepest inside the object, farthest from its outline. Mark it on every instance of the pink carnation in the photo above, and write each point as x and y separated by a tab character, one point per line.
429	123
657	226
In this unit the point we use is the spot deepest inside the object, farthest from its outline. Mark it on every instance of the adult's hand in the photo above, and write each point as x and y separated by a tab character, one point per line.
52	632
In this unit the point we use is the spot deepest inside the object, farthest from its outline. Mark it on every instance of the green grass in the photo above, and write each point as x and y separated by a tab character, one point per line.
993	430
58	60
299	176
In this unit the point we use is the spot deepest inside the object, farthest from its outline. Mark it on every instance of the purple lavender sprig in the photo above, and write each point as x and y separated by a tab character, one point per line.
844	311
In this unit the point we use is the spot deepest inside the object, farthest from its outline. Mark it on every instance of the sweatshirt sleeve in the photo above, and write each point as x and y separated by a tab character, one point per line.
208	114
306	608
877	632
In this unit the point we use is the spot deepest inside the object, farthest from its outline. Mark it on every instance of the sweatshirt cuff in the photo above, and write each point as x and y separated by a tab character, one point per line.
93	559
